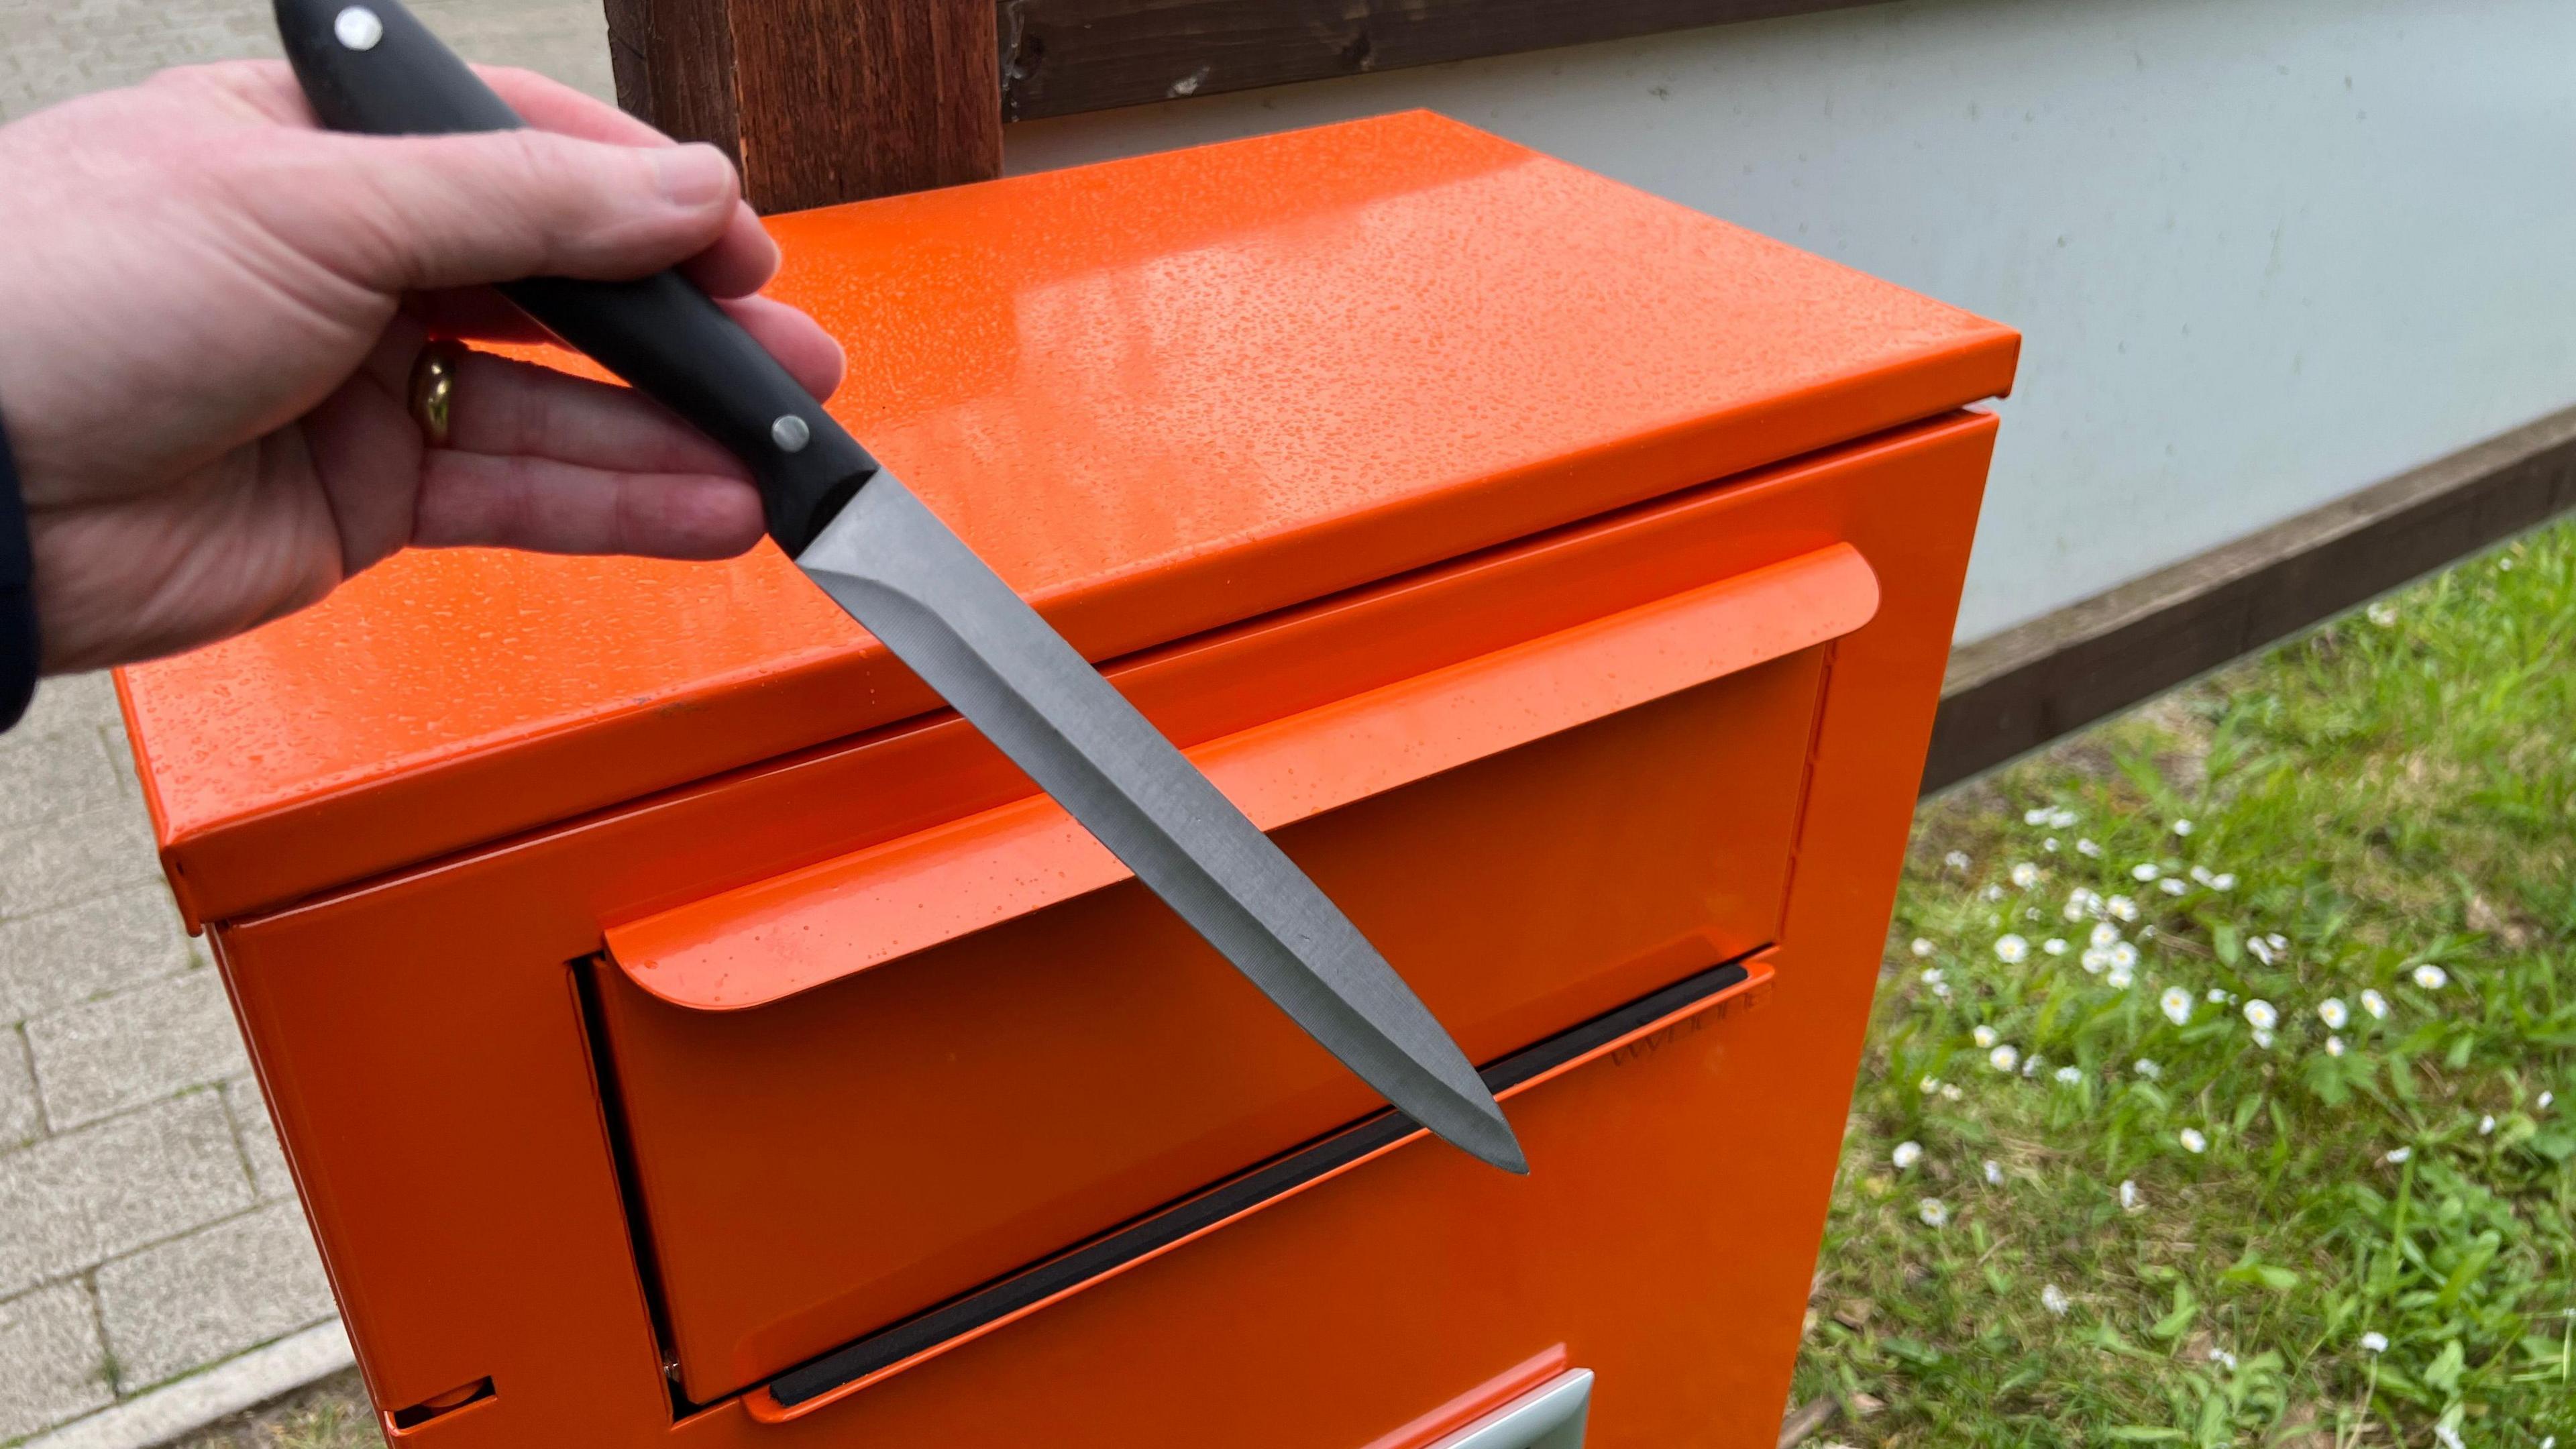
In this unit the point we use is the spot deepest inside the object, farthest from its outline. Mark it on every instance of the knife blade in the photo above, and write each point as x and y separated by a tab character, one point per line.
880	553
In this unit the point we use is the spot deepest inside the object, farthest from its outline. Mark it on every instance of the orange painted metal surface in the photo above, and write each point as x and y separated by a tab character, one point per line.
1353	418
432	1073
1164	395
758	943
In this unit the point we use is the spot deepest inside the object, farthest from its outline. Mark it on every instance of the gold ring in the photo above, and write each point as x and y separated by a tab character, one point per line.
433	388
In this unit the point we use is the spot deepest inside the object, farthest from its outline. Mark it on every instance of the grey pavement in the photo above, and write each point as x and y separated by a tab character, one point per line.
148	1227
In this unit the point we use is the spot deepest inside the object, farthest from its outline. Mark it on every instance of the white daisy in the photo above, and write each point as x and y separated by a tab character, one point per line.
2172	885
2383	615
2334	1046
2200	873
2431	977
2374	1342
2060	818
2486	1125
1985	1036
2035	815
1922	946
1993	892
2144	871
1928	1085
2003	1058
1994	1173
2053	1298
2130	1198
2332	1012
2192	1141
2095	959
2069	1076
2182	827
1934	1212
1950	1092
2105	935
2053	946
2011	950
2546	1098
2025	875
2261	949
2088	849
2218	996
1906	1155
2223	881
2033	1064
2260	1015
2222	1357
2119	977
1957	860
2177	1005
2121	908
2146	1066
2374	1003
2263	1038
2049	845
1941	989
2123	956
2398	1154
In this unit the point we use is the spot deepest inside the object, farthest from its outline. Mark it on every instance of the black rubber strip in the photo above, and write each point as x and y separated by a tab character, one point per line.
1172	1222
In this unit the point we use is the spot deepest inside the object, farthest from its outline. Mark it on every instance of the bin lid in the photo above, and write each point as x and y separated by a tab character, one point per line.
1159	395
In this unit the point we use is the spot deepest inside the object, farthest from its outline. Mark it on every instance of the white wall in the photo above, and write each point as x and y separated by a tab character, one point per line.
2265	251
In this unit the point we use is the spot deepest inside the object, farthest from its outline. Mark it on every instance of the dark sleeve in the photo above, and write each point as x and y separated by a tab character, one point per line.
19	656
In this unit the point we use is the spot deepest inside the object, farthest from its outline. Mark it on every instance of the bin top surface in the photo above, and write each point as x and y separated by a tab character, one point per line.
1158	395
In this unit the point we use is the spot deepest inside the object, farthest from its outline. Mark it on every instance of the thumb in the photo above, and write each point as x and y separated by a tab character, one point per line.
417	213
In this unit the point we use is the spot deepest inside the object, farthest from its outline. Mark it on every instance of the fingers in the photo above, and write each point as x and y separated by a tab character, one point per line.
741	261
413	213
552	507
800	344
505	408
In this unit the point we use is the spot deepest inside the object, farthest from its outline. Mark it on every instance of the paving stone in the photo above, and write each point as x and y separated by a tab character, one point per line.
21	1120
78	1198
52	774
138	1046
69	701
70	859
211	1294
258	1134
62	957
51	1363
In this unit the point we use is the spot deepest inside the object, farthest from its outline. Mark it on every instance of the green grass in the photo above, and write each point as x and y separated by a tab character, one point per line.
2393	793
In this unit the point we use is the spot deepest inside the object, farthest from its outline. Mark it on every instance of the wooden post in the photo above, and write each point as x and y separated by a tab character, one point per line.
819	101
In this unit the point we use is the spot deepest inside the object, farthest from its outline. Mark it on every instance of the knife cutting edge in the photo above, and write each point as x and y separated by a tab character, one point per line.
883	556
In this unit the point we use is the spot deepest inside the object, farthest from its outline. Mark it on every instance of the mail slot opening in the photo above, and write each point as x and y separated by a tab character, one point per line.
816	1168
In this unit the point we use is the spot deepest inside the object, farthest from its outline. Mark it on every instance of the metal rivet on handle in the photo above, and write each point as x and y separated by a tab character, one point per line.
358	28
790	433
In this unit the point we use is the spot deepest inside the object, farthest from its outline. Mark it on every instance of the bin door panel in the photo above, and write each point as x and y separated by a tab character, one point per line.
840	1157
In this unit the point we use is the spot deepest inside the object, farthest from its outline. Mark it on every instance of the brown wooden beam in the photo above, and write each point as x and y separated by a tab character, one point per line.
819	101
2010	694
1064	56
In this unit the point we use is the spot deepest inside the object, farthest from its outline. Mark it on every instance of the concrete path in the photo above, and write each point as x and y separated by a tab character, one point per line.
148	1230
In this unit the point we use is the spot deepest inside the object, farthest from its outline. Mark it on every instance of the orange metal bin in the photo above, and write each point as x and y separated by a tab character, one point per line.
683	1030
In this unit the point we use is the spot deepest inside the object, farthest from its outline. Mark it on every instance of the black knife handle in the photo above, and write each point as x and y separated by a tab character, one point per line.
371	67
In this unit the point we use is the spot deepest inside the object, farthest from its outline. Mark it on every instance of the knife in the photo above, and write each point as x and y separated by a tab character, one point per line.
883	556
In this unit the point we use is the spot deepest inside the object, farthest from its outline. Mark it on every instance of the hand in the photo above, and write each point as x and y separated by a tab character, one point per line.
212	310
